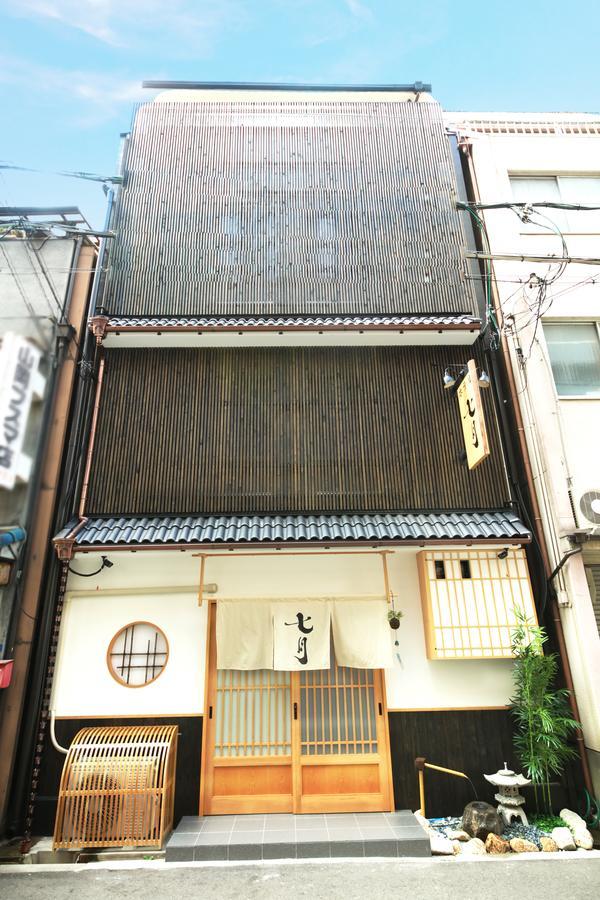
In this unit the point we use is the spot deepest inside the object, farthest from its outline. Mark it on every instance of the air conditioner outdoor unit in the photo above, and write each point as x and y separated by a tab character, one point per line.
589	507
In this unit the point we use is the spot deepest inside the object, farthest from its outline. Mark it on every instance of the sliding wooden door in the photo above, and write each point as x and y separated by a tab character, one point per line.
247	744
294	742
342	761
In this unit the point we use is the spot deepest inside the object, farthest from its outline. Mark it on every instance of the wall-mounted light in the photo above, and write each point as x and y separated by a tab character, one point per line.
503	553
450	380
106	564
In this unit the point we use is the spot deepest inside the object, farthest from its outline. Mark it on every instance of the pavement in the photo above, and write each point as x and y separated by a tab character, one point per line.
568	877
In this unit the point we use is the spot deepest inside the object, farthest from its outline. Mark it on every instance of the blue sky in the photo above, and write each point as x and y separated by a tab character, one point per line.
71	70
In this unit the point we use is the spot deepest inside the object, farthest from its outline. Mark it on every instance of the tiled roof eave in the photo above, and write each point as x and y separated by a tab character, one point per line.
384	529
294	323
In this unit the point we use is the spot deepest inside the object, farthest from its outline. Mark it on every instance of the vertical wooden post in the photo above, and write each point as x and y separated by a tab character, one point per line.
386	576
201	585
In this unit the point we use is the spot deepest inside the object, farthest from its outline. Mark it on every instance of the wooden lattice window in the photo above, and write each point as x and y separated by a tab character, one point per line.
137	654
470	612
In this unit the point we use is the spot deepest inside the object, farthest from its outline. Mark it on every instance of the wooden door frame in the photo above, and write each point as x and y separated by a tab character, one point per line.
205	719
383	735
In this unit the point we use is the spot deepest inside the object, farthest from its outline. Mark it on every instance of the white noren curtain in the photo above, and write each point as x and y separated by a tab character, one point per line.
361	634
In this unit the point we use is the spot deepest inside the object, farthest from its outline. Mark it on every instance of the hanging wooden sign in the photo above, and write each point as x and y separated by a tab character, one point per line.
472	417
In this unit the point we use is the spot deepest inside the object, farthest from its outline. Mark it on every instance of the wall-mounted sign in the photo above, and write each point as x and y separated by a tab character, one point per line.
20	381
472	418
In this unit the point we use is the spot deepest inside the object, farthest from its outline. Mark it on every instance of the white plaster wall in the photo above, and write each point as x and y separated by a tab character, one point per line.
83	685
95	611
563	435
421	683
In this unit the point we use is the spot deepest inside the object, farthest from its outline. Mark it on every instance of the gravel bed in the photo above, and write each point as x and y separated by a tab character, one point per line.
514	830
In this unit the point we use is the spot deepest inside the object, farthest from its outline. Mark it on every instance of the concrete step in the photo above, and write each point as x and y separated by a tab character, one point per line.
285	836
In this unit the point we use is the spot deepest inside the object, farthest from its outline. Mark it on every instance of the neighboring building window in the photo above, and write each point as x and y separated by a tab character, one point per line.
137	654
561	189
574	350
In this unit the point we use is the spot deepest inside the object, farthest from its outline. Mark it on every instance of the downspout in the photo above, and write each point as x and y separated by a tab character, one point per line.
90	453
535	508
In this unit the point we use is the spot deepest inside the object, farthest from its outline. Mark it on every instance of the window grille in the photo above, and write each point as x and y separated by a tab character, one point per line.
472	616
137	654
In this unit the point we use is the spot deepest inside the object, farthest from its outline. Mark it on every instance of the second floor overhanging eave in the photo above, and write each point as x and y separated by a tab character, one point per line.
277	331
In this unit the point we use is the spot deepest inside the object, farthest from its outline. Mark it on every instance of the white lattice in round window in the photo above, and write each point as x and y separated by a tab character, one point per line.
137	654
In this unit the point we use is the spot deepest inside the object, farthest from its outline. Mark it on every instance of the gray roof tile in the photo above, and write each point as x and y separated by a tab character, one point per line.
300	322
267	529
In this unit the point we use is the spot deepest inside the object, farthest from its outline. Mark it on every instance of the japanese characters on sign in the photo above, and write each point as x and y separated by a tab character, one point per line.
472	418
19	381
301	636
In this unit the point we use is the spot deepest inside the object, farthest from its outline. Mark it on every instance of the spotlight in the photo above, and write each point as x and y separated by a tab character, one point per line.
484	379
449	380
503	553
106	563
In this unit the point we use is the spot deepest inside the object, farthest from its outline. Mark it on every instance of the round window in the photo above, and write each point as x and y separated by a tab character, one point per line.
137	654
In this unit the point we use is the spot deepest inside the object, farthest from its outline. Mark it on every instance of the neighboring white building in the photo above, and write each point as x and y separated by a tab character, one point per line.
551	318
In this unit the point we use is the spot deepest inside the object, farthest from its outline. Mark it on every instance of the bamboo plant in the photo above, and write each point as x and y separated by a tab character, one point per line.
543	721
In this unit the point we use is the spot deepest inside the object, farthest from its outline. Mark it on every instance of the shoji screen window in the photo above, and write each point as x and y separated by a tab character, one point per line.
469	613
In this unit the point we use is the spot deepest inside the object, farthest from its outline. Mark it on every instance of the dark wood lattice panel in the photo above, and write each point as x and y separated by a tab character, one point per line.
295	430
312	207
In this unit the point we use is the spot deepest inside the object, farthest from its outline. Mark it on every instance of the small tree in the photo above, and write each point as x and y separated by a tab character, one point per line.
543	721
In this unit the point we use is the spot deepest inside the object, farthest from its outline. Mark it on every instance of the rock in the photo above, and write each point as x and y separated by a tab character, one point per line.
579	829
563	838
455	834
440	845
520	845
479	819
549	845
496	844
424	823
474	847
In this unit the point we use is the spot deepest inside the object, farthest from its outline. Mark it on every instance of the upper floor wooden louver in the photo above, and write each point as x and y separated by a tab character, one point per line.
310	429
276	206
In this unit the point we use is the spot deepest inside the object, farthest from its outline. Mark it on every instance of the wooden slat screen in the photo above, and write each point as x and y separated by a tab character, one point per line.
288	206
117	787
295	430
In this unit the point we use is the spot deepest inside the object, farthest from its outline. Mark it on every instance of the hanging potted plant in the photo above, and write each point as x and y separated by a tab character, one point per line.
394	616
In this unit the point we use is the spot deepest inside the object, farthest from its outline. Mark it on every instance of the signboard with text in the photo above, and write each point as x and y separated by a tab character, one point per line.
19	381
472	417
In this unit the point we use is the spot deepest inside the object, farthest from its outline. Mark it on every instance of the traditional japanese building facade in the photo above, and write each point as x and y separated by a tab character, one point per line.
275	469
538	183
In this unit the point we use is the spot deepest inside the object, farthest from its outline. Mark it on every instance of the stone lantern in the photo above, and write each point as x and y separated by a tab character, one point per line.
510	801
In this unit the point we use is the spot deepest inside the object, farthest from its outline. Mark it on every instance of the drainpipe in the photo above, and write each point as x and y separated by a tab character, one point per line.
535	508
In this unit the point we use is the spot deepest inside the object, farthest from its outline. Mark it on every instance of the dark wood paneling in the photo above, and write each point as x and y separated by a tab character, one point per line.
187	778
471	741
294	430
311	206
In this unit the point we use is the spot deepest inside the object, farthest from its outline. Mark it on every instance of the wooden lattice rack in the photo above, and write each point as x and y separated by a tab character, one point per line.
117	787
